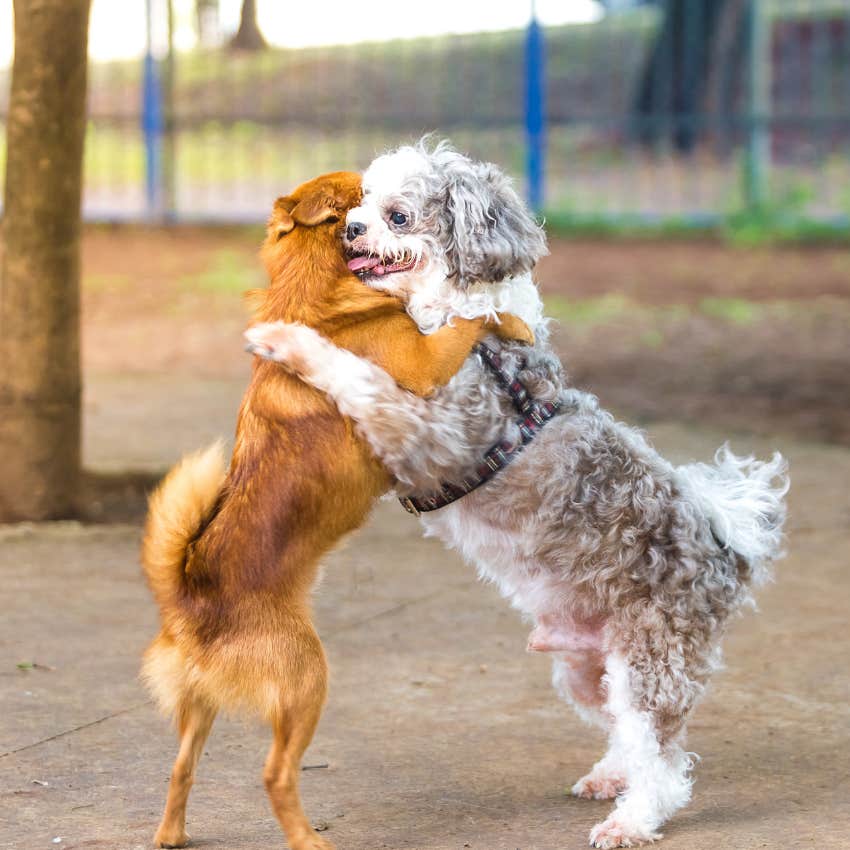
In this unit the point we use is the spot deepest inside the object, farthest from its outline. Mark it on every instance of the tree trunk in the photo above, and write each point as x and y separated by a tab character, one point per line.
248	37
40	381
726	83
670	94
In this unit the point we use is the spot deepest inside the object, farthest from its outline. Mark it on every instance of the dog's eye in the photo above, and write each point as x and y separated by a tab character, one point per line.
397	217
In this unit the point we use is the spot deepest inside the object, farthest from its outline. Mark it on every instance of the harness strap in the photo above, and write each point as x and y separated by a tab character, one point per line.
511	383
534	415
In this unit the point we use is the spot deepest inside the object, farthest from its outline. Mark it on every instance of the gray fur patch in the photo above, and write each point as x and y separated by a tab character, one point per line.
483	228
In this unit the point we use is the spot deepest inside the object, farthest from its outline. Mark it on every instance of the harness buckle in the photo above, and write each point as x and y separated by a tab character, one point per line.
409	506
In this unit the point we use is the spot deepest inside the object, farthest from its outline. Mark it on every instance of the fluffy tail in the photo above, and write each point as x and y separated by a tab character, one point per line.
176	511
744	501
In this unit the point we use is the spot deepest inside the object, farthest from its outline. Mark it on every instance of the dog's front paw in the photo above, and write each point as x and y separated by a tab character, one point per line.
279	341
615	831
599	785
512	329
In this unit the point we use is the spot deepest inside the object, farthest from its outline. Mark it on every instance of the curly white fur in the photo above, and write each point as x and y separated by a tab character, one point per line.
628	567
464	226
740	502
591	528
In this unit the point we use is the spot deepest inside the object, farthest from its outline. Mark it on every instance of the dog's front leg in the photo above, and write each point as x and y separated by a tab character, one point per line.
394	422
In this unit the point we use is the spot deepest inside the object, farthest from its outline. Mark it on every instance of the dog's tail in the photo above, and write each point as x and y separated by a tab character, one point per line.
743	500
177	510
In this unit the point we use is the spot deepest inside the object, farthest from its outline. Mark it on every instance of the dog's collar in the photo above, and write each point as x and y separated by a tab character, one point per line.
533	416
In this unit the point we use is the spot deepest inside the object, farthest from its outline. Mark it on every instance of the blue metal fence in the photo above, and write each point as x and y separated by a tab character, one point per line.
691	109
535	112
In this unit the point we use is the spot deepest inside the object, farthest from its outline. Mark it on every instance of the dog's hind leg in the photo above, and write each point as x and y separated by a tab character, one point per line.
645	744
577	678
300	707
194	721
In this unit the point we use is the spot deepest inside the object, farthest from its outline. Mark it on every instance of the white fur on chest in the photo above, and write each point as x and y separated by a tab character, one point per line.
437	300
500	555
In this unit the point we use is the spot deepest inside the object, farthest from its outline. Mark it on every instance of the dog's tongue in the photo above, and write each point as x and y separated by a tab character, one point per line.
358	264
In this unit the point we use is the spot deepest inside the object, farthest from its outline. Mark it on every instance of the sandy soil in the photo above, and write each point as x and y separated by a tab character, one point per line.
440	732
751	339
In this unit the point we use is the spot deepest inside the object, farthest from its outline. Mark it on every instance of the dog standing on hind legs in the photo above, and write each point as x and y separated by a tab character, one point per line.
628	567
232	553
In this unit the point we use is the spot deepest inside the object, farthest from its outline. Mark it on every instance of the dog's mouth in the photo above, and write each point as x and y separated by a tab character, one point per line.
366	265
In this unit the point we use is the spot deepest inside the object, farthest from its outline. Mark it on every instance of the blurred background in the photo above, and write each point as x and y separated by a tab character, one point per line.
672	111
691	159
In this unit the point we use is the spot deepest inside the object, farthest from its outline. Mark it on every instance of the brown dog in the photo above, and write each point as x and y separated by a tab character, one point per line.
231	555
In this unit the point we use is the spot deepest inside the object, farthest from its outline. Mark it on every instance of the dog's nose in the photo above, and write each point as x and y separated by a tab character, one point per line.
355	229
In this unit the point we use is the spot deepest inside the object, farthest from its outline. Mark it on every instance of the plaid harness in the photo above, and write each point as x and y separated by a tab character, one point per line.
533	416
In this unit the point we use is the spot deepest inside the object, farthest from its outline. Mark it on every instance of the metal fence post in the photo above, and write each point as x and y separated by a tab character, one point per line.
169	148
152	124
535	104
757	162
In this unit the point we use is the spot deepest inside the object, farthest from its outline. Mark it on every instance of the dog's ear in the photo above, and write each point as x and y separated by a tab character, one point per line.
490	232
308	212
330	199
316	209
281	221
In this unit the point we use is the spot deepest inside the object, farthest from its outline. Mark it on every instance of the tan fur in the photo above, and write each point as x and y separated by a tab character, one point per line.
176	510
231	558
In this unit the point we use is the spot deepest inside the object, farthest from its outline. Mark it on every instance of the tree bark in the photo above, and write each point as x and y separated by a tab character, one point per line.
726	83
248	36
40	383
671	89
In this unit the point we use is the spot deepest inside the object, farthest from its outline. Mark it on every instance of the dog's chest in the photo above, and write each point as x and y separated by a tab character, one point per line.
499	551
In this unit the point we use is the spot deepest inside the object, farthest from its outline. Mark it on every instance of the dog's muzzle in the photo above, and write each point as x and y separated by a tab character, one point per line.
355	229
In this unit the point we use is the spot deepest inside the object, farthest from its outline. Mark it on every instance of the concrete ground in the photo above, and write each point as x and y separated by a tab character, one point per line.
440	732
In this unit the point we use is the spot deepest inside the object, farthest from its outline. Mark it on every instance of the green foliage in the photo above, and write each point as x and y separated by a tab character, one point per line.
805	9
770	224
735	310
228	272
652	338
649	324
586	312
757	225
568	223
773	225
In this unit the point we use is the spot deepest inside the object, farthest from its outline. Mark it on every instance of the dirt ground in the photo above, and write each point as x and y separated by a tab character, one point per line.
750	339
440	732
